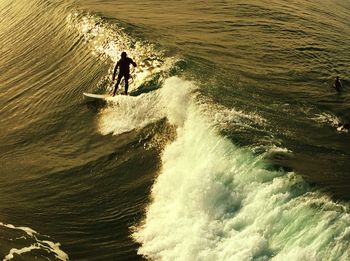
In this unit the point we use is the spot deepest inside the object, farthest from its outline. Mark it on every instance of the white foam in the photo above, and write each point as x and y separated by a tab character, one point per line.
126	113
27	230
176	99
55	248
332	120
226	118
13	251
327	118
274	149
214	201
46	245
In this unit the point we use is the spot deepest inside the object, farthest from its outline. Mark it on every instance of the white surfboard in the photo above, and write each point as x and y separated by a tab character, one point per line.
97	96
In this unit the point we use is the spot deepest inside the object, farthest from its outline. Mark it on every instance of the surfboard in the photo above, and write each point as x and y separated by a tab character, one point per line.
97	96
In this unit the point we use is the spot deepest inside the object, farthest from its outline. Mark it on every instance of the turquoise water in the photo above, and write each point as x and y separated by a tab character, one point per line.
228	147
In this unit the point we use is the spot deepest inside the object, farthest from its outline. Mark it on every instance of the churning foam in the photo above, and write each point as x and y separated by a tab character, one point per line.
327	118
215	201
331	120
127	113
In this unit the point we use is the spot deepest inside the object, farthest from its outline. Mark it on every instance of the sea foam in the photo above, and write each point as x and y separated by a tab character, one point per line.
35	242
215	201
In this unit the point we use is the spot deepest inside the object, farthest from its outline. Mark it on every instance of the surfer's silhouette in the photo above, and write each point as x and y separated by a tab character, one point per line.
124	71
337	84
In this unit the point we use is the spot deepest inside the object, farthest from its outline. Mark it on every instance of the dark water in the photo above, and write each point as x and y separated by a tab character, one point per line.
226	149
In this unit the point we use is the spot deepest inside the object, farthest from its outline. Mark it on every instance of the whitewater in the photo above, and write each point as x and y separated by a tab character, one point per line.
215	201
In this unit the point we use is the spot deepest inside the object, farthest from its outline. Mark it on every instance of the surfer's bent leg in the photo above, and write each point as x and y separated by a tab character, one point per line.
117	84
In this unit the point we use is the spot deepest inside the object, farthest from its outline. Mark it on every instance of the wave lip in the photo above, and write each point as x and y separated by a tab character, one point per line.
107	41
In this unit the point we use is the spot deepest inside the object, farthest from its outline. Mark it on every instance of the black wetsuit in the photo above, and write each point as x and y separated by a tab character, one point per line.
124	71
337	85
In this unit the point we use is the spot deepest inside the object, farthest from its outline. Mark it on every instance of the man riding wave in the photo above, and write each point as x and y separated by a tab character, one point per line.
124	71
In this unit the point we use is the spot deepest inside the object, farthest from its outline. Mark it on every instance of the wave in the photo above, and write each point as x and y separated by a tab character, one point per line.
107	41
215	201
211	200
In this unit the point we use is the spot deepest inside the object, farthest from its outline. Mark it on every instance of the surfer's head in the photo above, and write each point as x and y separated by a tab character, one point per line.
123	55
337	77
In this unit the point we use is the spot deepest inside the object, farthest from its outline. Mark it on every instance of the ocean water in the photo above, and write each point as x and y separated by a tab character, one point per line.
227	148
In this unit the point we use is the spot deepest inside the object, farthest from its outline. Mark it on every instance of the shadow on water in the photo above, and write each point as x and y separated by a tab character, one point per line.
147	87
95	105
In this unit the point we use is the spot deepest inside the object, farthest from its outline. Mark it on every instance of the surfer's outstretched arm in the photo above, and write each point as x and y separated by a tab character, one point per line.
133	63
115	71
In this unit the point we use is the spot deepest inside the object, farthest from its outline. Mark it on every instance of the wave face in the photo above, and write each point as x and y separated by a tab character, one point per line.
228	147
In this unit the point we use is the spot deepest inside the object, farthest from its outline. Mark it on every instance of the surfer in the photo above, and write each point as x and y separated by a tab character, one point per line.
337	84
124	71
